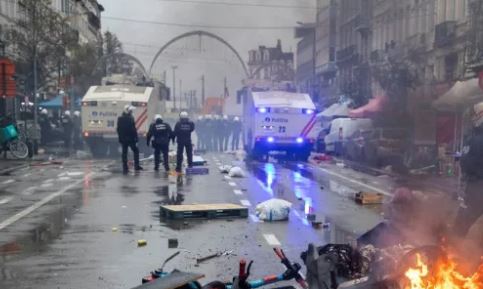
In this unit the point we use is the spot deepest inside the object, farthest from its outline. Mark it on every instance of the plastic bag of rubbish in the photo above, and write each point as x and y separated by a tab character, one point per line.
236	172
225	169
273	210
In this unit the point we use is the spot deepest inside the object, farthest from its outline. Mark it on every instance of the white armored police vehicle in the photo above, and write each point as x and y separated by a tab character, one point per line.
279	121
102	105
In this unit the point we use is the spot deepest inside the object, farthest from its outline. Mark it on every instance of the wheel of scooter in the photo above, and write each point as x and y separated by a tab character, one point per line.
18	149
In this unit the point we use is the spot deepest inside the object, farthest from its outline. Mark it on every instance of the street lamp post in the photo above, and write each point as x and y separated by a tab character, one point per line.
174	67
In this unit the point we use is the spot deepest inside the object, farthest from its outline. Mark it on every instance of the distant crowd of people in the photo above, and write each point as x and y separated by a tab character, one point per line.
218	133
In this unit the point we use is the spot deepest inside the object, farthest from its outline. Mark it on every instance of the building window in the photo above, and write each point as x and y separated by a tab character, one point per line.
65	6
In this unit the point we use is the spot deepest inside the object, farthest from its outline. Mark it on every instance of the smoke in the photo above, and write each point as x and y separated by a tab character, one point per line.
425	217
190	69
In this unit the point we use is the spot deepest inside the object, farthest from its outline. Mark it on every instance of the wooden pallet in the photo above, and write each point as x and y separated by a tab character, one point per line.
365	198
203	211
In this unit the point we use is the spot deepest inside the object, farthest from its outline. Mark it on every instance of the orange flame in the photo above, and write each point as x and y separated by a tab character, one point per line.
443	275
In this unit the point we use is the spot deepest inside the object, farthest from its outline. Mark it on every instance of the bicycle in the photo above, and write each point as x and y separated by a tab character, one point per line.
176	279
10	140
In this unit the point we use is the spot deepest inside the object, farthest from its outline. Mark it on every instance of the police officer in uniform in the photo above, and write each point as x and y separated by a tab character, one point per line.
45	127
236	131
161	134
128	137
200	133
77	127
182	134
67	126
472	168
208	128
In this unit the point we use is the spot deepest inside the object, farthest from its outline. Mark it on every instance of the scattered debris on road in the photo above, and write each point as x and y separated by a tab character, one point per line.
367	198
212	256
142	243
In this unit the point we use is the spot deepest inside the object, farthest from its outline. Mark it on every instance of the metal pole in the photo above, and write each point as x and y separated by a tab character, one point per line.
202	90
35	87
180	92
174	67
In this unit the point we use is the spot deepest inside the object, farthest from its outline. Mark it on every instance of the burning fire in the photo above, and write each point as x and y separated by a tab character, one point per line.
443	275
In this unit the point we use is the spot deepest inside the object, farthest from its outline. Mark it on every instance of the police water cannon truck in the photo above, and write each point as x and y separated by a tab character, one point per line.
279	121
102	105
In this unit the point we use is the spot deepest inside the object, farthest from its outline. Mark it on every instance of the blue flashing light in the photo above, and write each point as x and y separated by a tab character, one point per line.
262	110
309	111
300	140
270	139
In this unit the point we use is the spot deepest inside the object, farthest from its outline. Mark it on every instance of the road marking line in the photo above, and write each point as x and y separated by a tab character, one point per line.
75	174
46	185
8	182
254	218
40	203
64	179
29	191
272	240
246	203
227	177
374	189
233	184
61	175
238	192
48	181
5	200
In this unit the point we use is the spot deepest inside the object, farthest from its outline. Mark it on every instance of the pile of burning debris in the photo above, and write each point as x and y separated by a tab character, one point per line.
398	267
391	255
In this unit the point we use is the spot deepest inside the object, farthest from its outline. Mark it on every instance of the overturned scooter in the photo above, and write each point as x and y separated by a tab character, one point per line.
159	279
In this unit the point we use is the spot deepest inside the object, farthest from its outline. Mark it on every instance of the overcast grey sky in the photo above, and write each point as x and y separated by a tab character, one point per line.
195	57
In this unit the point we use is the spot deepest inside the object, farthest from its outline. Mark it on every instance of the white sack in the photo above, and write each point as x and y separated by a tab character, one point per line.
236	172
273	210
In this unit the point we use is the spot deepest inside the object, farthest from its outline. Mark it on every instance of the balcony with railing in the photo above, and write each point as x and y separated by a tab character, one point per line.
346	54
445	34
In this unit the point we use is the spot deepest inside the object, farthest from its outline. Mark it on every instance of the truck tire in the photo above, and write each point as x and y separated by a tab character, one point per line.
98	147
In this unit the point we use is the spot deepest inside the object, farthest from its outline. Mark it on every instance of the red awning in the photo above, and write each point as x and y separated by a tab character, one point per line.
374	106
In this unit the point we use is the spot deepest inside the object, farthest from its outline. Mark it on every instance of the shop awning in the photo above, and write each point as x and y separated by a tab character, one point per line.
462	95
335	110
374	106
55	102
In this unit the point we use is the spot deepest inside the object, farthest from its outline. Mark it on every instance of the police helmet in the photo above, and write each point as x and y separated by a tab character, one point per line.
67	113
183	115
236	118
478	118
158	117
77	113
44	111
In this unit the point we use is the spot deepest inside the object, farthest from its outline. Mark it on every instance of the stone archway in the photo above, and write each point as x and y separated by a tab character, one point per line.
200	33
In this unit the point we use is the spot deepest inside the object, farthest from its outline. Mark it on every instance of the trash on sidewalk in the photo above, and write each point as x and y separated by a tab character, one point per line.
198	161
340	165
212	256
142	243
197	171
225	169
273	210
48	163
172	243
322	158
366	198
236	172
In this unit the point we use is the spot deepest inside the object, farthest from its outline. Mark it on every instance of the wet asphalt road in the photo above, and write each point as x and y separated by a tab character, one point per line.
76	224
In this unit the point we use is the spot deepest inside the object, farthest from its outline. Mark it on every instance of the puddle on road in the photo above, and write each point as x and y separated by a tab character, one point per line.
55	218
